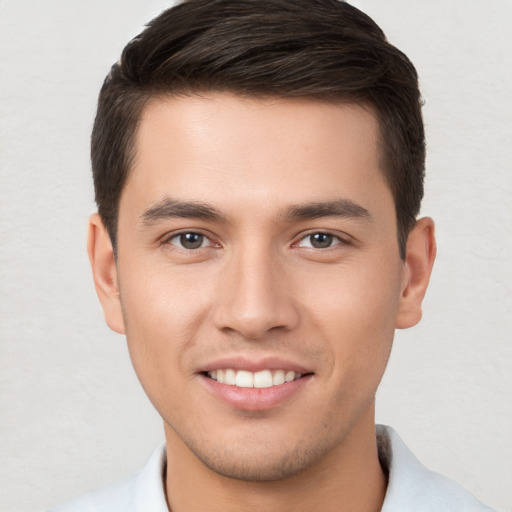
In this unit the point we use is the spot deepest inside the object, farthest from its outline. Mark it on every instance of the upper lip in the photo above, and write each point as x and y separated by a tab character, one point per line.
253	364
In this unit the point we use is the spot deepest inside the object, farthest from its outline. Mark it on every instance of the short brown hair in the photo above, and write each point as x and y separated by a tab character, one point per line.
321	49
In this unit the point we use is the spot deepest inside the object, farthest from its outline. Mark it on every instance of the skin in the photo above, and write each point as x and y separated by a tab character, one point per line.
257	289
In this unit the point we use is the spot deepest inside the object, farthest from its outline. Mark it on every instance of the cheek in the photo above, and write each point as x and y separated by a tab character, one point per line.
158	297
355	310
163	314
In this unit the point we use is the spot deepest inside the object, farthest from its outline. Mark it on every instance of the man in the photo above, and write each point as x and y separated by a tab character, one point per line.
258	170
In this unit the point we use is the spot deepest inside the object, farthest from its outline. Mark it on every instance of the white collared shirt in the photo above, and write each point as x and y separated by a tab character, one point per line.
411	486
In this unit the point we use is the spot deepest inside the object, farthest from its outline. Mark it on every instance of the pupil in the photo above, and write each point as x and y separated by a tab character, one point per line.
321	240
191	240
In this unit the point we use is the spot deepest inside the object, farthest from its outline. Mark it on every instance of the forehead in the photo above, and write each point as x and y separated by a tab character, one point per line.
229	150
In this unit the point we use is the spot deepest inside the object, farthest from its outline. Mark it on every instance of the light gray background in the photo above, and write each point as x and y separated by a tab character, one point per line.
73	416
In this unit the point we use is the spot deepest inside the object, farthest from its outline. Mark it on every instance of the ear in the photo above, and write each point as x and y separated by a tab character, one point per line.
421	253
104	271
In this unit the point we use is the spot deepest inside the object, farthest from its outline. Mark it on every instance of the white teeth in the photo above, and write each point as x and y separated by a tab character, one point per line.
261	379
244	379
229	377
278	378
289	376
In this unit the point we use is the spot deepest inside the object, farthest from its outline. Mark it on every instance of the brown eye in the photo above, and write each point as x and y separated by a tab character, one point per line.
319	240
190	241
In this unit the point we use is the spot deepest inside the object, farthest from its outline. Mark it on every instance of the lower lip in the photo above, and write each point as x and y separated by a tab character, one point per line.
255	399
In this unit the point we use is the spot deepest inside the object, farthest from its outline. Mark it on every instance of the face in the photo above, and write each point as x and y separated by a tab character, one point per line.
259	277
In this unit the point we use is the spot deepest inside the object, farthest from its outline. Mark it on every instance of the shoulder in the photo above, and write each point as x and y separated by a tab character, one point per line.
143	492
412	486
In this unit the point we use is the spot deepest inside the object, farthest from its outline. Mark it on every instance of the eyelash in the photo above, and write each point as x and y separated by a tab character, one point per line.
332	238
168	240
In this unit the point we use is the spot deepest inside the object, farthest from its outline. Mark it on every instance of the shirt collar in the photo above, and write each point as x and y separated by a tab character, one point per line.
410	485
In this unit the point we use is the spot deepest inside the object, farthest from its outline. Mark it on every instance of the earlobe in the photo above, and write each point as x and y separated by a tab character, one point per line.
103	264
421	253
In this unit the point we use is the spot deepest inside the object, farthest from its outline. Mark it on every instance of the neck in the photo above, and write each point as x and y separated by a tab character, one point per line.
348	478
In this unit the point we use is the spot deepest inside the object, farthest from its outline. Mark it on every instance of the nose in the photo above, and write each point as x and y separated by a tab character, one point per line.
255	296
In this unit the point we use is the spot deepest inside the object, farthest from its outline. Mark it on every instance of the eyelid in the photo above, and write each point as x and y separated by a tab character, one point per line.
166	239
343	238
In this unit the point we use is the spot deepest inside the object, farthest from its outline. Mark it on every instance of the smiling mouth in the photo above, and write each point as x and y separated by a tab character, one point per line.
246	379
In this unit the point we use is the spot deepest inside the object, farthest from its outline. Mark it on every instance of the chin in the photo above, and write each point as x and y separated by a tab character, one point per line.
261	463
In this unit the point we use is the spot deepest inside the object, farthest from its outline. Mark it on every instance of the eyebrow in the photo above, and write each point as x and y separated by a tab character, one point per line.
344	208
169	208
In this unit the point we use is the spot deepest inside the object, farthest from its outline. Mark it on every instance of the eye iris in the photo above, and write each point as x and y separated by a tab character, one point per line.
191	240
321	240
